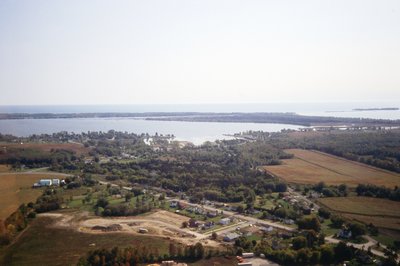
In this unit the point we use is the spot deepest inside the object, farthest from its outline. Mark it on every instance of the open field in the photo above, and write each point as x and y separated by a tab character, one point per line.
47	147
311	167
159	224
4	168
83	232
382	213
40	240
16	188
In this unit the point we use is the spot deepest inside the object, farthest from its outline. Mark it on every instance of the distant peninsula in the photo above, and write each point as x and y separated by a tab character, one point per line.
377	109
277	118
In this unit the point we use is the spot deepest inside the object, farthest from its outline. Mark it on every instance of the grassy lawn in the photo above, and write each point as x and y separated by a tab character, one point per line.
255	237
264	203
327	228
384	239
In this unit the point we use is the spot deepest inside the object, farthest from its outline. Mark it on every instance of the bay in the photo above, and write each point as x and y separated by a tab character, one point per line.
195	132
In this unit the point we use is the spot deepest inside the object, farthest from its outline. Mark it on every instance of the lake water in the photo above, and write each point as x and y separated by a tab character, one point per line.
196	132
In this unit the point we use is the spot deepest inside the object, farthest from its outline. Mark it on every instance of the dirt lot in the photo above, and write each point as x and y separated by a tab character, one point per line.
159	224
310	167
381	212
15	189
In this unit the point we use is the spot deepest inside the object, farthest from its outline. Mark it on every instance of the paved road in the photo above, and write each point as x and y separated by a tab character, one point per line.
371	242
292	191
242	217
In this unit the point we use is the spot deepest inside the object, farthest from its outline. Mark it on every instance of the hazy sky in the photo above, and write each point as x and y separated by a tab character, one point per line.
128	52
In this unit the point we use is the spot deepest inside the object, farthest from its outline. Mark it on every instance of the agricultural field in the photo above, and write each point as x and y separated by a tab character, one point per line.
47	147
311	167
16	188
4	168
382	213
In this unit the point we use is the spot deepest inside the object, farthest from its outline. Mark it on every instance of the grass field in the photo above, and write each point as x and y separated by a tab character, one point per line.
380	212
15	189
311	167
42	244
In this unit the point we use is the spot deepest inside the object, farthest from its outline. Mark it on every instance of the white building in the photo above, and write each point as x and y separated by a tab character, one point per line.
225	221
45	182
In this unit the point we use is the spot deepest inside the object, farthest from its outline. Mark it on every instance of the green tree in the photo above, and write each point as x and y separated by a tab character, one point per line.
311	223
343	252
357	229
299	242
327	254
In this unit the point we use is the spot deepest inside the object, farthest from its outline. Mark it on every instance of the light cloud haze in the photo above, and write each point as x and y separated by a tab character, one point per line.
152	52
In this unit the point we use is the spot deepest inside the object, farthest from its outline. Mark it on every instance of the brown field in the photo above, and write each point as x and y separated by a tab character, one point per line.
382	213
4	168
67	245
311	167
47	147
50	232
15	189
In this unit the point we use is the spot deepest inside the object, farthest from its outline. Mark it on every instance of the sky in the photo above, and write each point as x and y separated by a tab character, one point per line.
168	52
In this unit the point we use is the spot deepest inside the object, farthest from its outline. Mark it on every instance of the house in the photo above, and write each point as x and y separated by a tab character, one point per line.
288	221
230	237
207	225
56	182
267	229
276	245
193	223
344	233
198	210
212	214
225	221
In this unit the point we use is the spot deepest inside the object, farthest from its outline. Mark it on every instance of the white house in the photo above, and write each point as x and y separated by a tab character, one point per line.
225	221
56	182
230	237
